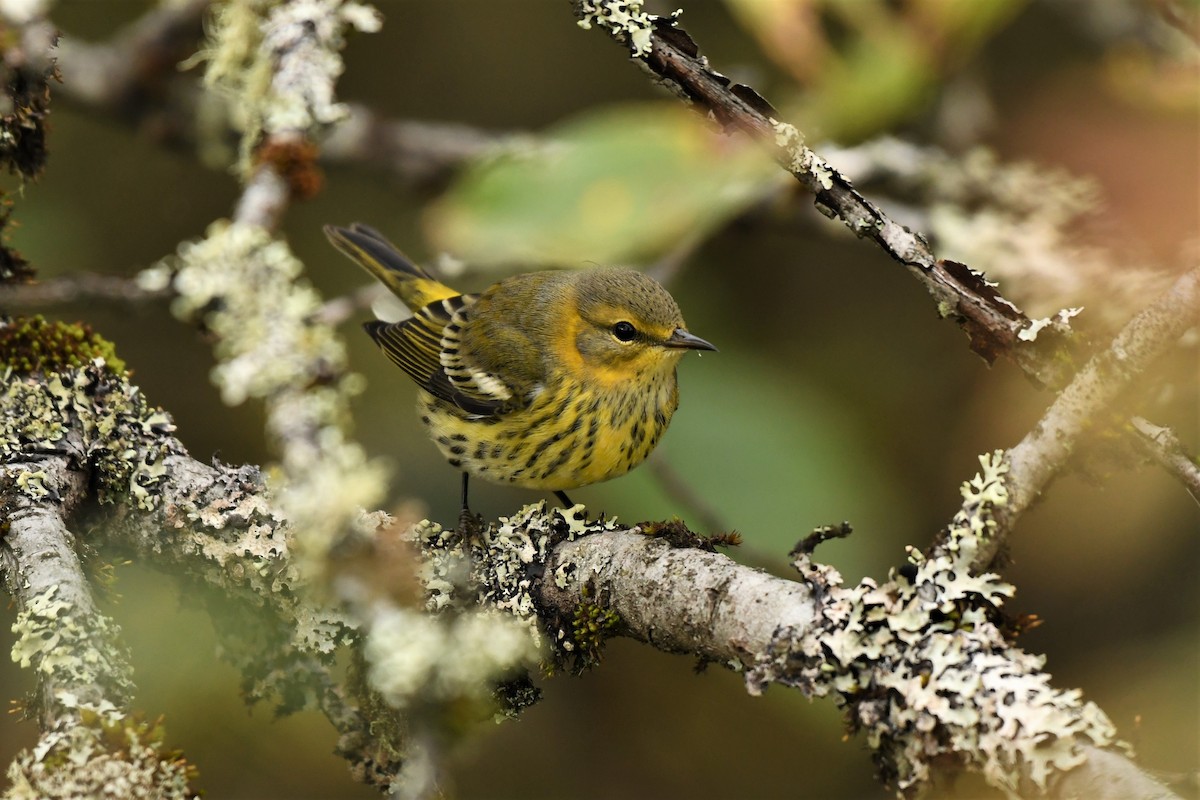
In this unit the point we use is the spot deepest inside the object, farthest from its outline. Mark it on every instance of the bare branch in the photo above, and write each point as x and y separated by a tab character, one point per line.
127	73
1164	447
77	286
678	600
416	152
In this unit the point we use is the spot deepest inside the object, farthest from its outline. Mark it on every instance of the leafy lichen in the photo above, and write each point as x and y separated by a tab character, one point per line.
802	161
70	647
479	592
109	756
122	440
924	665
278	62
624	18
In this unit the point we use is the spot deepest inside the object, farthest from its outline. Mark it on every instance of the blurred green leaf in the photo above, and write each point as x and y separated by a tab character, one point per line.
867	65
623	184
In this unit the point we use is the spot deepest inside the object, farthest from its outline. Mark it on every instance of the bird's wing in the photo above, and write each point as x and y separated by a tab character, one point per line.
426	347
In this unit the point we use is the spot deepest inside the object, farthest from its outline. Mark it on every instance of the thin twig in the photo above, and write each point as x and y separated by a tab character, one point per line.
78	286
1164	446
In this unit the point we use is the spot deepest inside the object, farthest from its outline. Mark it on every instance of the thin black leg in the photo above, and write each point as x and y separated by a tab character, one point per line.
466	521
562	498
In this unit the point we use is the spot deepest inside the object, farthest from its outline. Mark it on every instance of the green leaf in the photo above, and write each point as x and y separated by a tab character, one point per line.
621	185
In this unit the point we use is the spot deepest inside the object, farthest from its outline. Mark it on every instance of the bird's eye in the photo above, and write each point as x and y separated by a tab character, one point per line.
624	331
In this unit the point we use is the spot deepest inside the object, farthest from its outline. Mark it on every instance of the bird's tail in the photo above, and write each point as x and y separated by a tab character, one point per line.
416	287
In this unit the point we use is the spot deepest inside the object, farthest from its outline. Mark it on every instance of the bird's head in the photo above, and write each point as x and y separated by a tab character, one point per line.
628	326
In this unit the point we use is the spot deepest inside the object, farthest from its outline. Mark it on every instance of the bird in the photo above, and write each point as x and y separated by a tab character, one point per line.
549	380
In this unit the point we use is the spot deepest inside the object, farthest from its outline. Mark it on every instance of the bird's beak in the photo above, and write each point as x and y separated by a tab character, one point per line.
682	340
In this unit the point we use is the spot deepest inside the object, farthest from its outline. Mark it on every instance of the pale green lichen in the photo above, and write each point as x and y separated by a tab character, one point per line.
124	439
415	657
923	666
69	647
801	161
32	484
498	569
624	18
245	287
109	757
278	63
478	595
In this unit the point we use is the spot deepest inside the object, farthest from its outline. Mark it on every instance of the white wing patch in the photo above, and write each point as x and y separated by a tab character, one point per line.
463	375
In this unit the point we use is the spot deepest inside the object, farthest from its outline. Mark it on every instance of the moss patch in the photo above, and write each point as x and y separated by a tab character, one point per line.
34	344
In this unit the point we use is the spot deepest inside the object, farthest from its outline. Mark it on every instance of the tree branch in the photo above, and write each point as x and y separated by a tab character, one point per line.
89	741
994	325
1164	447
915	661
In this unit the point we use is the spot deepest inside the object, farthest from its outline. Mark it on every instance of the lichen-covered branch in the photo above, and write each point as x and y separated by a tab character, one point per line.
923	664
559	578
279	64
69	426
71	647
90	745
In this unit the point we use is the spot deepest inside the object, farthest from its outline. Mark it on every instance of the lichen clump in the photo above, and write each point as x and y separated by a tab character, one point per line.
924	666
33	344
625	18
480	630
278	63
96	416
110	756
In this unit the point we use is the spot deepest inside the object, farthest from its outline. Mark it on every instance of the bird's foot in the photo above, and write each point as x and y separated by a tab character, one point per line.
470	526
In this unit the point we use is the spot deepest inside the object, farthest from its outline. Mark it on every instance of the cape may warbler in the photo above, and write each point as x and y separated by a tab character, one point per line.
551	380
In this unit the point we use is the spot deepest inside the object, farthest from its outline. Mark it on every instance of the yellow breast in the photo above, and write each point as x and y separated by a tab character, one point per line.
568	437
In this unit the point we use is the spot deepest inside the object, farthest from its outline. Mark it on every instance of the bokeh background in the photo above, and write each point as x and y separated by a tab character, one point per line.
837	394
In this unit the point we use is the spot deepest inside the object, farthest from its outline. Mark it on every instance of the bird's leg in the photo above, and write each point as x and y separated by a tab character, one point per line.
562	498
468	523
